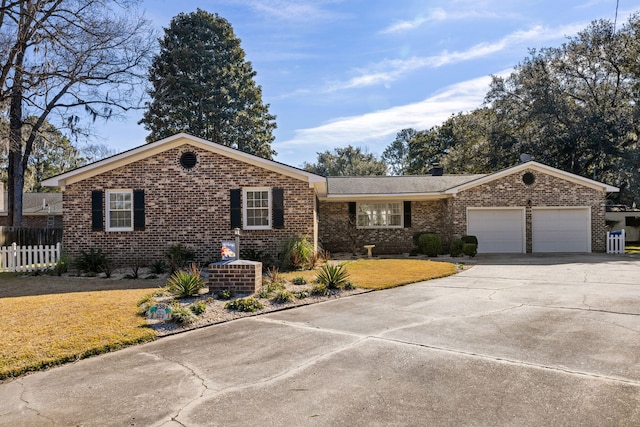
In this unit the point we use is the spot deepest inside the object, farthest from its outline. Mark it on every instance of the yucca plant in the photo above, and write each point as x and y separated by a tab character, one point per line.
333	276
185	283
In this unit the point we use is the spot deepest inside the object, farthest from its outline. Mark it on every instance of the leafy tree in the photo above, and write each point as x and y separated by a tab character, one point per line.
348	161
58	56
396	155
202	84
427	148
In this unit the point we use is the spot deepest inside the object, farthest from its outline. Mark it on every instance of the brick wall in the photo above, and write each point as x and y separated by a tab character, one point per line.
188	206
34	221
546	191
337	234
242	276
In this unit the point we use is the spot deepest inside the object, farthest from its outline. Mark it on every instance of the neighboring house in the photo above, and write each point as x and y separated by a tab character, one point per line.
187	190
623	217
39	210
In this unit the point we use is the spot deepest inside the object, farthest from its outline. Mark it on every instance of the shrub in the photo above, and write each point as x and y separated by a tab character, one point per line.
455	250
145	303
198	308
334	276
348	286
469	239
185	283
470	249
182	315
62	266
226	294
266	291
158	267
301	294
299	280
178	255
320	290
244	304
298	254
273	275
430	244
282	296
93	261
416	237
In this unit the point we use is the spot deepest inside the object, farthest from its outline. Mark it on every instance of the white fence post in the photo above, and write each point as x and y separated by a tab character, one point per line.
616	241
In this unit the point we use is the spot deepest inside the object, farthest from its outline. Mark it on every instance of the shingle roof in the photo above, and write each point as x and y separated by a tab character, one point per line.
376	185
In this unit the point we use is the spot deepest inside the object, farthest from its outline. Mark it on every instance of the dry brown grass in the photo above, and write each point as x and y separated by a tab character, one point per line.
387	273
47	320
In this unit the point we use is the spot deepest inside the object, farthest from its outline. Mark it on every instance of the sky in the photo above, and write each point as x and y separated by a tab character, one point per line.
356	72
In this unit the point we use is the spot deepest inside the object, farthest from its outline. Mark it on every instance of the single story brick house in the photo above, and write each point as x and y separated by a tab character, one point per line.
187	190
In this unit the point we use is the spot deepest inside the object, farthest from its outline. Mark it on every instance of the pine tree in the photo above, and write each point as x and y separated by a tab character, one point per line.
202	85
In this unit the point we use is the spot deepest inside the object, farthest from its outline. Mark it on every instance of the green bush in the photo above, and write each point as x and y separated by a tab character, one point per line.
244	304
158	267
178	256
182	315
320	289
416	237
455	250
282	296
430	244
469	239
333	276
297	254
299	280
348	286
470	249
62	266
226	294
185	283
95	261
198	307
301	294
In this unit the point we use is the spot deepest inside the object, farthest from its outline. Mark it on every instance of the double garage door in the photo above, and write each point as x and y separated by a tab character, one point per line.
503	230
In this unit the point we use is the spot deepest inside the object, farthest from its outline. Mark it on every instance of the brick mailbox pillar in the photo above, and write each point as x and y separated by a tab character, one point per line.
243	276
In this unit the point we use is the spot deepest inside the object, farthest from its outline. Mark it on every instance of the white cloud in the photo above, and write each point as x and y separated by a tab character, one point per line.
440	15
376	130
296	11
390	70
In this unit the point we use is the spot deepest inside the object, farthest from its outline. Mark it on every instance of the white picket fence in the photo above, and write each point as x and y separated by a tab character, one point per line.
28	258
616	241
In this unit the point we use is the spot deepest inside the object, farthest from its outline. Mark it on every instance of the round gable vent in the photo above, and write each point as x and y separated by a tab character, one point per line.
188	160
528	178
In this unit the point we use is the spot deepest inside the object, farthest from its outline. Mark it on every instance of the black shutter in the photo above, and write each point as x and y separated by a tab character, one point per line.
96	210
407	214
277	207
138	210
352	212
236	209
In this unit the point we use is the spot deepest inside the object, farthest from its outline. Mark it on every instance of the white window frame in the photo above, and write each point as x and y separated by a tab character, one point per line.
107	209
245	208
386	215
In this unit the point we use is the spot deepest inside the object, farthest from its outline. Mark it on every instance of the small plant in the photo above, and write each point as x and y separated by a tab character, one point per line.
455	250
145	303
273	275
320	289
470	249
299	280
182	315
298	253
349	286
94	261
282	296
333	276
178	256
266	291
198	307
244	304
430	244
62	266
301	294
226	293
135	267
185	283
158	267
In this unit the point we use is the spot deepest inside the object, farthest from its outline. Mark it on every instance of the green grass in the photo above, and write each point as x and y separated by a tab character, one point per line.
386	273
48	321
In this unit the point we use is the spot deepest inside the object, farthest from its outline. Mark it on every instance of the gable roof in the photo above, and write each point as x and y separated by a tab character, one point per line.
150	149
390	187
539	167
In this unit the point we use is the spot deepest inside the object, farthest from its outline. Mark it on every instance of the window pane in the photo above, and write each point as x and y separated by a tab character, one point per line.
379	215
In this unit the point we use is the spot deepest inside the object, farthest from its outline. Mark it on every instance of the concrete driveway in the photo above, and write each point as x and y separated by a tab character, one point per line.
515	341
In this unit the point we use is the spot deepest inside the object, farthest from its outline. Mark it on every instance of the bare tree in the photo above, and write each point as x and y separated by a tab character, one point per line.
62	61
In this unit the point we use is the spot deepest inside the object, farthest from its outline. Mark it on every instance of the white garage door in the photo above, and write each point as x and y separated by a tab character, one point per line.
497	230
561	230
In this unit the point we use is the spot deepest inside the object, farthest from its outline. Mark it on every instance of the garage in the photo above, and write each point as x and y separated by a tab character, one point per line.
561	229
498	230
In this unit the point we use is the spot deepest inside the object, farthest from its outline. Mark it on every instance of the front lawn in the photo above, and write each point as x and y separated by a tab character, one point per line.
387	273
48	320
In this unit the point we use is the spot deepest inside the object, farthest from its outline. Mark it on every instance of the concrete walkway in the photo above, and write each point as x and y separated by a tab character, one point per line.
515	341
